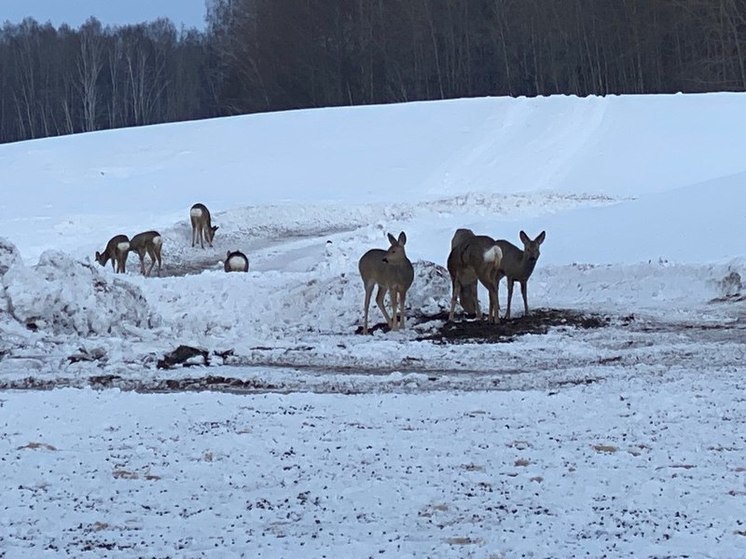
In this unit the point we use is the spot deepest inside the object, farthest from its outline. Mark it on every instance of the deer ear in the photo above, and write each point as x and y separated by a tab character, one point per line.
402	238
227	255
541	237
524	238
392	239
98	255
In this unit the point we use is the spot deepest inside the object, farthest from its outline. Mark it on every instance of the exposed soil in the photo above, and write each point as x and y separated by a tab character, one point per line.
538	321
471	330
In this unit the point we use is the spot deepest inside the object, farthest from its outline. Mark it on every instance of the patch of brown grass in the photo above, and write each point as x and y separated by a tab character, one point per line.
605	448
464	540
121	473
430	510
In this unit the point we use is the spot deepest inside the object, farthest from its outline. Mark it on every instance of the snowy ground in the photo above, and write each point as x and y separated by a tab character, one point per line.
303	439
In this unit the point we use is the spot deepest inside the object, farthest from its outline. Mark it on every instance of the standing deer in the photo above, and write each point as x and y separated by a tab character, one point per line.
468	295
517	265
391	271
202	227
149	243
236	261
116	251
476	258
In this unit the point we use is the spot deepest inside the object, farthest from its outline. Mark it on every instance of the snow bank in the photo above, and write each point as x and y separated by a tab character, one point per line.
66	296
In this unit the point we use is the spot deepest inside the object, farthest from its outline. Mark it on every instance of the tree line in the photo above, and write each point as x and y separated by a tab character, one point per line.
264	55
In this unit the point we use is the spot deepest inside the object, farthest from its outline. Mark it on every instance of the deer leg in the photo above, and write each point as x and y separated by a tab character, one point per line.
402	300
497	295
510	297
395	320
368	292
524	292
456	286
494	314
379	300
152	254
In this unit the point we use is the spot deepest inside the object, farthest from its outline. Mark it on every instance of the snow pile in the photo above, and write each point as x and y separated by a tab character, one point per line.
9	255
66	296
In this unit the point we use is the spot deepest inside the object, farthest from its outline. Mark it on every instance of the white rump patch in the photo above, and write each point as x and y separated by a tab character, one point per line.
121	247
195	212
157	241
237	263
493	254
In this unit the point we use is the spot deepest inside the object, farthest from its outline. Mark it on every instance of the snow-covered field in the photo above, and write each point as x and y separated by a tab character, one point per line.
626	439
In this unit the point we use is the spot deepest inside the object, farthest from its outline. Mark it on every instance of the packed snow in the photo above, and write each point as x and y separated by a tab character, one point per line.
289	435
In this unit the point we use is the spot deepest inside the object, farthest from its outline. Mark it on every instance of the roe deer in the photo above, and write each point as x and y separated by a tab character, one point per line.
202	227
236	261
391	271
149	243
468	295
116	251
476	258
517	265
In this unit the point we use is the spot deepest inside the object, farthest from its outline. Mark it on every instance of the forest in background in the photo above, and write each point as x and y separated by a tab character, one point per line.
266	55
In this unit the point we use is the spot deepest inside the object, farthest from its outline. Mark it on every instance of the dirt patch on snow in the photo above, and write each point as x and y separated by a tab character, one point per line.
471	330
538	321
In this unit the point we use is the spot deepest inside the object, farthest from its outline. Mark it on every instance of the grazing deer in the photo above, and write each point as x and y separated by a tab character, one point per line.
468	295
236	261
116	251
391	271
476	258
517	265
149	243
202	227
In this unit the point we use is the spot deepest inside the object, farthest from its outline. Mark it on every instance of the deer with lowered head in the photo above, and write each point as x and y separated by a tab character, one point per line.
202	227
391	271
116	251
150	243
236	261
476	257
468	295
518	265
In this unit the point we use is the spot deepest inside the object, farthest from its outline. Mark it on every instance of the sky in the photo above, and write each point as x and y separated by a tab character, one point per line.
190	13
